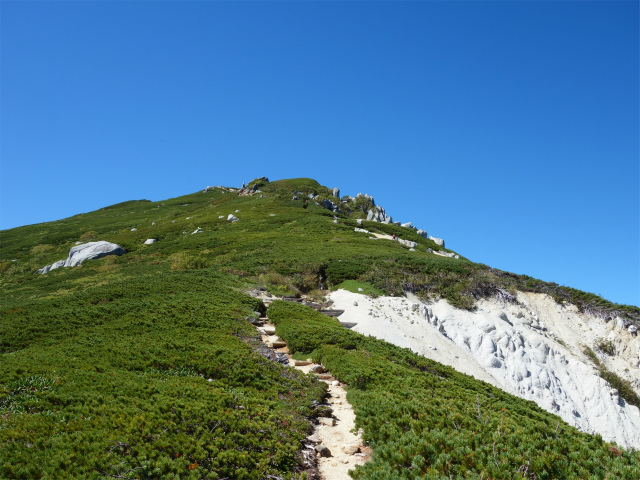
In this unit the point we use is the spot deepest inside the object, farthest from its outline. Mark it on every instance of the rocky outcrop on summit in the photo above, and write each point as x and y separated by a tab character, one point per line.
329	205
336	192
377	214
85	251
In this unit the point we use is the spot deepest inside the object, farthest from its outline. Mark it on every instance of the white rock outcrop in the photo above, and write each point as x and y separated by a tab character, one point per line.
408	243
532	349
437	241
149	241
86	251
232	218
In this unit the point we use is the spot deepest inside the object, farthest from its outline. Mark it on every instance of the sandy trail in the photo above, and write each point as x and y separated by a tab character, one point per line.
345	446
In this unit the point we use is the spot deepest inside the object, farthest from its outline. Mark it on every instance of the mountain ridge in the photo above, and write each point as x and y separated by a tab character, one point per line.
174	313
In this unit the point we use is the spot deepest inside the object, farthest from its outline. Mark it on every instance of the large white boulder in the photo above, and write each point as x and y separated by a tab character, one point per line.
86	251
438	241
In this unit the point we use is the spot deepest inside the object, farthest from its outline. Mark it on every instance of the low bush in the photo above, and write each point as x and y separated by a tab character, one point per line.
606	346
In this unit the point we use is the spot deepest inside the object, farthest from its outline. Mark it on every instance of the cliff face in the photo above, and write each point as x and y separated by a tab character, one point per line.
533	348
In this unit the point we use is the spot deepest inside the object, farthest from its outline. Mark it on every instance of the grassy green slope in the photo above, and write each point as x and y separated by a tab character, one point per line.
106	365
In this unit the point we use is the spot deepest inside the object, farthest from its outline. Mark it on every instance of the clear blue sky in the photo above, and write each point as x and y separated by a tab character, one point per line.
508	128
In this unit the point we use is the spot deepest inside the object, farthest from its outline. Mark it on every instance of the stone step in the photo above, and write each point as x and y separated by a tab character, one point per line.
269	330
301	363
275	342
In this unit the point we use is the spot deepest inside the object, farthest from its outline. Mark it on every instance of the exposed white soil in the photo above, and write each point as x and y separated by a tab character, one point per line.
532	349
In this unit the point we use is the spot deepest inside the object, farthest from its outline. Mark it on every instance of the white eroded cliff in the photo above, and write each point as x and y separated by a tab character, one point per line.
532	349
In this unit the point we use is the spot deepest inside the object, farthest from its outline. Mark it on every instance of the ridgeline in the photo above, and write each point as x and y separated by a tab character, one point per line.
146	364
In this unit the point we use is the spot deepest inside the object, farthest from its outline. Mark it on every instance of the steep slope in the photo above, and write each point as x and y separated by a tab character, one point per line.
532	349
146	364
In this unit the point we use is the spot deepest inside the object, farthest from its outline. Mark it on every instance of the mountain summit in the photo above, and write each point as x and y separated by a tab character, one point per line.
142	359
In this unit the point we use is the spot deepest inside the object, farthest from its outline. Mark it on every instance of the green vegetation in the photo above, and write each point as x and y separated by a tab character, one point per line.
606	346
354	285
625	390
146	366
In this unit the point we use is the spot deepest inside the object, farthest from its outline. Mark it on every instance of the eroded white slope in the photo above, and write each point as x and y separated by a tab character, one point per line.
532	350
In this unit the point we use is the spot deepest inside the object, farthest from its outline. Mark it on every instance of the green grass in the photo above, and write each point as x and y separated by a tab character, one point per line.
354	286
106	366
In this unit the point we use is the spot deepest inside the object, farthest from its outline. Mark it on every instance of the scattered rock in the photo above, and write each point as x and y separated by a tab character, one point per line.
330	422
408	243
315	439
232	218
422	233
134	229
406	225
361	230
317	369
295	197
350	448
149	241
360	289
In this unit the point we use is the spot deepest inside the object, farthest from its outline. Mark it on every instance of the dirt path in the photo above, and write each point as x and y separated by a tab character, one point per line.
345	447
334	433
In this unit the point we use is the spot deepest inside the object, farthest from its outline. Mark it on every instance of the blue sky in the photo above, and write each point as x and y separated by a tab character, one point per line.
508	128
